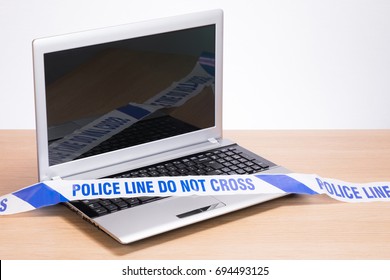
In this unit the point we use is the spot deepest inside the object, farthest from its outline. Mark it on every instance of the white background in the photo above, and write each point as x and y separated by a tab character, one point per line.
299	64
278	269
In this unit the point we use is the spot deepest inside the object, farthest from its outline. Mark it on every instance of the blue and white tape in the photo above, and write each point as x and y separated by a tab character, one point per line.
56	191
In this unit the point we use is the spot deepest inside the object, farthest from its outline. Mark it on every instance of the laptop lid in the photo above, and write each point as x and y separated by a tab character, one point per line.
95	85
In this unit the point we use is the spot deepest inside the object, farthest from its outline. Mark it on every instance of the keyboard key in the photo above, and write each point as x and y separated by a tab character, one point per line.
101	211
122	204
215	172
132	201
148	199
111	207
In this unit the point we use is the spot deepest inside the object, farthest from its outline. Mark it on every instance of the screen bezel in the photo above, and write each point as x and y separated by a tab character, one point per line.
104	35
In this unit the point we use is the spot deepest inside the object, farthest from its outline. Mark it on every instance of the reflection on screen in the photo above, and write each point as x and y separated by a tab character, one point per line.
115	95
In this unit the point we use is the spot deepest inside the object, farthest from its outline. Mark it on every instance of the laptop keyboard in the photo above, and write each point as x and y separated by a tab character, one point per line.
222	161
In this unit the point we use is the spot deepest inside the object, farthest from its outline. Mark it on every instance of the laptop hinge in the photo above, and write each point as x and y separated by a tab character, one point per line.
213	140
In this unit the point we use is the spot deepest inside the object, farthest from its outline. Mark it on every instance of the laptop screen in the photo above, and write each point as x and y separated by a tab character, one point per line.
106	97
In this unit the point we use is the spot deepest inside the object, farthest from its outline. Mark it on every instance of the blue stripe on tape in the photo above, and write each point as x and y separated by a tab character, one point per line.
40	195
207	61
134	111
286	183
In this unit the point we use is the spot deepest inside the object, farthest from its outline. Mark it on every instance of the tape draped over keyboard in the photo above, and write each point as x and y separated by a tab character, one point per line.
228	160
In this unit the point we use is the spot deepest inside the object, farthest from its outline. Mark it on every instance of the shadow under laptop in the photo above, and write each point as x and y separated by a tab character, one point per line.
200	229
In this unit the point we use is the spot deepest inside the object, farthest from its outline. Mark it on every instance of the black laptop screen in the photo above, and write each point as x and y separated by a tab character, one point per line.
110	96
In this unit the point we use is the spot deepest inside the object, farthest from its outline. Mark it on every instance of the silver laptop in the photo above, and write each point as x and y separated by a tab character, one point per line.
138	100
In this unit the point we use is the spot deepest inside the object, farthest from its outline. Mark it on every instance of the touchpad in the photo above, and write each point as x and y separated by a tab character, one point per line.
189	206
158	215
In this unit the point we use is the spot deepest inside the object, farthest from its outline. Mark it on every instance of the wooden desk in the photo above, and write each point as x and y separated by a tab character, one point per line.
293	227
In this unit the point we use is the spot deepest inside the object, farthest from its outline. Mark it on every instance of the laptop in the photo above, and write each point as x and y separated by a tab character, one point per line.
137	100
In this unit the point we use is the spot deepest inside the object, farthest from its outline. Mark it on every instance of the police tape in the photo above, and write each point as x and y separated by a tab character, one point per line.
52	192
